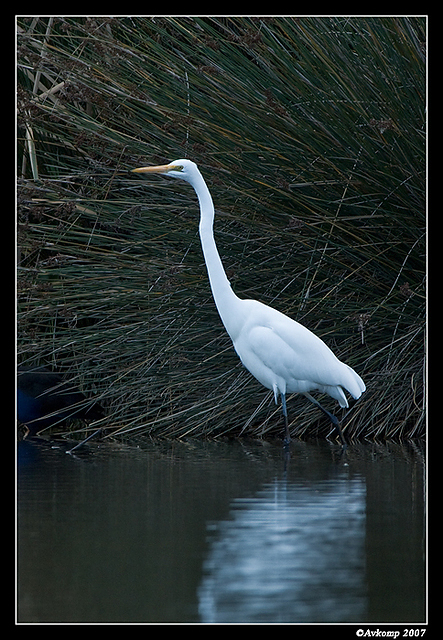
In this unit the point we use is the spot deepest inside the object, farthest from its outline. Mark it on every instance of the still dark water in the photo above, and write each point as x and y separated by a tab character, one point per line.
220	532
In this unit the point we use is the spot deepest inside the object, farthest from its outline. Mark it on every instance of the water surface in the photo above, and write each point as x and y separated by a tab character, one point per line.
220	532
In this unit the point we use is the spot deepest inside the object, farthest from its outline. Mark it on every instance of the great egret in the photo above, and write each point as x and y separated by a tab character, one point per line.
44	399
281	353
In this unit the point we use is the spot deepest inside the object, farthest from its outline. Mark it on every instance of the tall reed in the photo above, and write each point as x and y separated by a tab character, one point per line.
310	133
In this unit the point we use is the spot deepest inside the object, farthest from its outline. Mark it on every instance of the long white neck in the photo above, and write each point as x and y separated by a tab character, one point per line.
227	303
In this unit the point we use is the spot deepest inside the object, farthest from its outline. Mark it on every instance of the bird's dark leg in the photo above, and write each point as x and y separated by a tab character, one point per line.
331	417
287	439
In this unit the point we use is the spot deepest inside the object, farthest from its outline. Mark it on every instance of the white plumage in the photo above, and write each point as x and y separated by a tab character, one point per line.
280	353
285	356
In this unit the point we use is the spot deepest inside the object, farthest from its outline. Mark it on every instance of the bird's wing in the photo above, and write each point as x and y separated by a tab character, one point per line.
291	351
307	358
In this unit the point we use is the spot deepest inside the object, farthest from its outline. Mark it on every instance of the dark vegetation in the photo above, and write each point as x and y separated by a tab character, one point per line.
310	133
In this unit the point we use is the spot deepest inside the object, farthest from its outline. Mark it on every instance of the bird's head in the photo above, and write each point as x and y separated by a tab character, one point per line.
184	169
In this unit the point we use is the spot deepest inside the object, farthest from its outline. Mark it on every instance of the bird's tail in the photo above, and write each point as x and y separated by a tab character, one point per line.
351	382
354	384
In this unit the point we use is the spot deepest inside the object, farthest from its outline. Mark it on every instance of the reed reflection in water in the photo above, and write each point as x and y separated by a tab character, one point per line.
293	553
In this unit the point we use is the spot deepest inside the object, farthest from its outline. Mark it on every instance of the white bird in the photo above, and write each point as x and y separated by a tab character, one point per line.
281	353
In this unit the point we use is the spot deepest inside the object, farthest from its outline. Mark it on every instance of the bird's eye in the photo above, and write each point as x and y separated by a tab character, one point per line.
177	167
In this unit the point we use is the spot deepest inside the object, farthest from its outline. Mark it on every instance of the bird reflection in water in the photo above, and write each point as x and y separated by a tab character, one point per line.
292	553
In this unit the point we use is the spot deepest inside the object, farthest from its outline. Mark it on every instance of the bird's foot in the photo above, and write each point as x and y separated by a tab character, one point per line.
336	424
341	436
